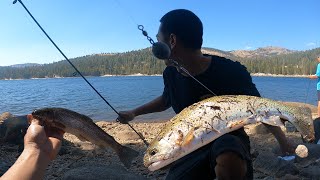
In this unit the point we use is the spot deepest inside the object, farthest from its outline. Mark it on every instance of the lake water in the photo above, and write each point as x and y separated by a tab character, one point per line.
21	97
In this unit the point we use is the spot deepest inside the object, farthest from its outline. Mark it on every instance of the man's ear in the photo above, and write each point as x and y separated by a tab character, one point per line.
172	40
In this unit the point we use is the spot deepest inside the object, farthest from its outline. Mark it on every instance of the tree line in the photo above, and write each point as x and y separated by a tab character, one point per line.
297	63
142	61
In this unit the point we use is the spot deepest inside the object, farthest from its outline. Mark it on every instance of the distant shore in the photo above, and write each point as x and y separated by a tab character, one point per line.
139	74
278	75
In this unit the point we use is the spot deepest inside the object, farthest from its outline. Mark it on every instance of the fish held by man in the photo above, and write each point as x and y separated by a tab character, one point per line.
84	128
205	121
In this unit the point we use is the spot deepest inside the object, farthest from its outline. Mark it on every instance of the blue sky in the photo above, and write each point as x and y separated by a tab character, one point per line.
82	27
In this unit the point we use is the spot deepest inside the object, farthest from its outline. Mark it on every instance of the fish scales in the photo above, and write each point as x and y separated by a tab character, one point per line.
84	128
205	121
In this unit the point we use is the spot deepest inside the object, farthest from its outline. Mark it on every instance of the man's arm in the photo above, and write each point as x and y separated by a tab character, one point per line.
156	105
317	75
41	146
285	145
31	164
313	77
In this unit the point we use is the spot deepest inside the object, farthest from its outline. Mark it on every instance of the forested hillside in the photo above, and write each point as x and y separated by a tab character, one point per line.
142	61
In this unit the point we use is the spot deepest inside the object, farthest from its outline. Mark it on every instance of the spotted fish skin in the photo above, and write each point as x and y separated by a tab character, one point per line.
84	128
205	121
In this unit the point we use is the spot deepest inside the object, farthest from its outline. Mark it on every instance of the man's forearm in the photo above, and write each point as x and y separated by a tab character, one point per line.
156	105
285	145
313	77
31	165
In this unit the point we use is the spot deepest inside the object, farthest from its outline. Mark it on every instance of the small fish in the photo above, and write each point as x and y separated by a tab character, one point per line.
85	129
205	121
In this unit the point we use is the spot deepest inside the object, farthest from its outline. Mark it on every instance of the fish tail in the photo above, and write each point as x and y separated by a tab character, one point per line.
126	156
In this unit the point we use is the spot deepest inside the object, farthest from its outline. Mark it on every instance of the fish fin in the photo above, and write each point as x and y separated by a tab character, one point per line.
188	138
272	120
81	138
126	156
179	140
232	124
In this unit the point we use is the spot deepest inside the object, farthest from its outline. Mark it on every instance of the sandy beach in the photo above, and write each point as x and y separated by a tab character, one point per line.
83	160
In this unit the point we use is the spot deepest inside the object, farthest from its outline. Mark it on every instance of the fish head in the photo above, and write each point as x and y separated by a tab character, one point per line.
304	123
43	115
163	151
54	117
49	117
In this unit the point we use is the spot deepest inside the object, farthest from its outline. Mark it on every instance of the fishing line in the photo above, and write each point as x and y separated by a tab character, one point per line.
159	49
307	94
126	11
14	2
162	51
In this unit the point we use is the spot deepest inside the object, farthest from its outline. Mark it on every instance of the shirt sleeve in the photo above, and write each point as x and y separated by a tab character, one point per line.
318	71
166	93
243	81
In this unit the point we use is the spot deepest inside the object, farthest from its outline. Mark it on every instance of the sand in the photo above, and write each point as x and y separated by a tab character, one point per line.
75	153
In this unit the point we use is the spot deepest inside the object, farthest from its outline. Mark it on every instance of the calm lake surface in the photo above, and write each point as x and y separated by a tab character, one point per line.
21	97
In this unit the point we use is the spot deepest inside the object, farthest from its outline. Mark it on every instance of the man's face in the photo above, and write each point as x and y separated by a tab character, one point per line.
161	38
318	58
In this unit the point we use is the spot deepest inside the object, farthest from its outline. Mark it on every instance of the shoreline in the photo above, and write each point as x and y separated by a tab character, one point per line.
139	74
277	75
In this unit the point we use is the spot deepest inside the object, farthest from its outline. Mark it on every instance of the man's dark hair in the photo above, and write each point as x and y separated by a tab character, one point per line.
185	25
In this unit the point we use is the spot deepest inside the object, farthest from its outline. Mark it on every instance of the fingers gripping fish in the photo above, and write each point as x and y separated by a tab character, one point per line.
85	129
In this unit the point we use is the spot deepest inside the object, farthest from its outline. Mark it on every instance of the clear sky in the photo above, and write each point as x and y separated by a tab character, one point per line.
82	27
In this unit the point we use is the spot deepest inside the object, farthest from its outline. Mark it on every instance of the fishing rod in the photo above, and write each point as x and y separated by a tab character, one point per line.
141	137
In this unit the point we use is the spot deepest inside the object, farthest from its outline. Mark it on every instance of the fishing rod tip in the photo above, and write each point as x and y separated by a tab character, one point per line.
14	2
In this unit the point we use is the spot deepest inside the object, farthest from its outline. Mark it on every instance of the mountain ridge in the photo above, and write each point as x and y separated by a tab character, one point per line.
272	60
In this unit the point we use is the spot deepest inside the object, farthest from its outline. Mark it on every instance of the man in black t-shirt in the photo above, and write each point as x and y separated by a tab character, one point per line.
228	157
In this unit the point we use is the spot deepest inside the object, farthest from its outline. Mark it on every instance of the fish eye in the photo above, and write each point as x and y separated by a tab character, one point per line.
153	152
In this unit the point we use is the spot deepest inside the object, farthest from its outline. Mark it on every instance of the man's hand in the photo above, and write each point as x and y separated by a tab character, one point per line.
286	146
125	116
41	145
46	140
313	77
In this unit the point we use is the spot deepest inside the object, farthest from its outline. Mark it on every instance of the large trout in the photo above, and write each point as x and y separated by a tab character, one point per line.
84	128
205	121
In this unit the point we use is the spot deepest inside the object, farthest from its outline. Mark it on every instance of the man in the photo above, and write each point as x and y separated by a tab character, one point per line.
228	157
317	76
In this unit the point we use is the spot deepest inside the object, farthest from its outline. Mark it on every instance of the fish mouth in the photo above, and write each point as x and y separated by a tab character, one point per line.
153	166
158	163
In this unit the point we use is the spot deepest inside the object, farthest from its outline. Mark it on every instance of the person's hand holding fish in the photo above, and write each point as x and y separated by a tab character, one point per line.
125	116
288	147
44	139
41	145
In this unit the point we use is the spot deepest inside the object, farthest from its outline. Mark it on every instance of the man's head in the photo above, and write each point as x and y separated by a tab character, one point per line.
318	58
181	29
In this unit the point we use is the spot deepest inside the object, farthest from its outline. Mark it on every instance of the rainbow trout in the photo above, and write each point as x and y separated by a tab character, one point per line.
205	121
85	129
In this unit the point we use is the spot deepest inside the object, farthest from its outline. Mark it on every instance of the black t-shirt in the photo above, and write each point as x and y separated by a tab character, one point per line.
223	77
